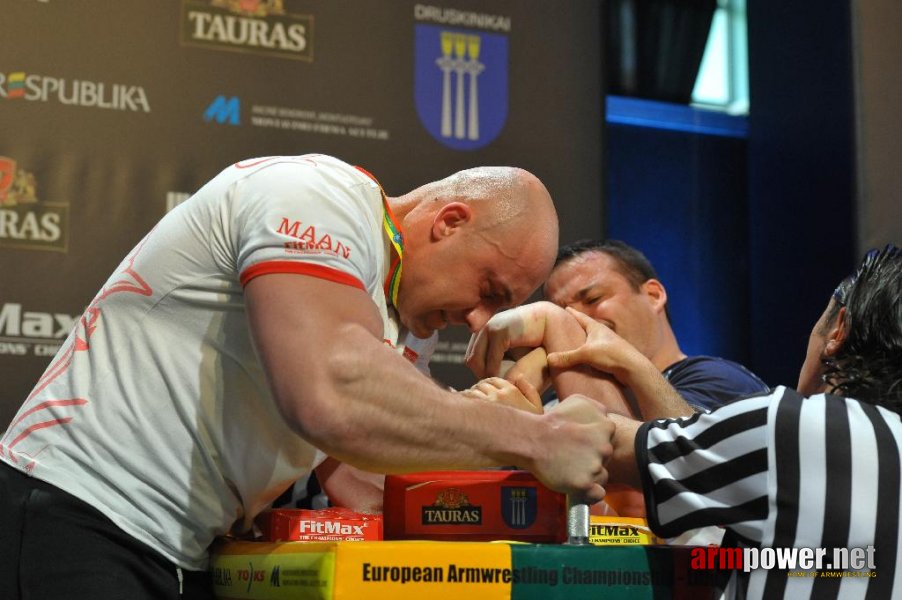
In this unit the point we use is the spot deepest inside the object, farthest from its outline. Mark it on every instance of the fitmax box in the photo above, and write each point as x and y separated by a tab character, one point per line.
621	531
473	506
326	525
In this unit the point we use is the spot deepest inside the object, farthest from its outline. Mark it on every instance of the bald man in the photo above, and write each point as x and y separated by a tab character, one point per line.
269	321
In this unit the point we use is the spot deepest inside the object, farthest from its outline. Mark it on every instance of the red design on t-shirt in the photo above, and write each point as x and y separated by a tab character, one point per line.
127	281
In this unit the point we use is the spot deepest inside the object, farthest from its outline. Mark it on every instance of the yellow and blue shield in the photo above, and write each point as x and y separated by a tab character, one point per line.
461	85
519	506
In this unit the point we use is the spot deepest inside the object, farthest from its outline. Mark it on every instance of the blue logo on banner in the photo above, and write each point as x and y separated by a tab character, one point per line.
460	85
518	506
224	110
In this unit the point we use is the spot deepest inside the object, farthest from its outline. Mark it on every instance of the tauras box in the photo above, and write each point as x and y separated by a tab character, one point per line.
473	506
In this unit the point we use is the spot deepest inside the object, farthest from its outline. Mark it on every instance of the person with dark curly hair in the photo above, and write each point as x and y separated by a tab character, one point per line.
818	467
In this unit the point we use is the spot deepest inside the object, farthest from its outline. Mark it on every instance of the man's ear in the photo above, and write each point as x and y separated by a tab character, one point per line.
657	295
836	337
450	218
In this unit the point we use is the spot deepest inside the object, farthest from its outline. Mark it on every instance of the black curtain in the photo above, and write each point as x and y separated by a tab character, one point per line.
655	47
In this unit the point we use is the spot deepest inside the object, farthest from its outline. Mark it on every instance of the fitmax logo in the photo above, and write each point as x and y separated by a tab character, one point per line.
224	110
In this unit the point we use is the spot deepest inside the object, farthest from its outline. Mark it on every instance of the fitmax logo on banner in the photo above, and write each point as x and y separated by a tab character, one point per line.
461	85
224	110
24	221
40	333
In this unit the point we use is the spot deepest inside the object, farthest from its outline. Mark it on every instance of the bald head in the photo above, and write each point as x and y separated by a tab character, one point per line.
512	211
494	225
500	195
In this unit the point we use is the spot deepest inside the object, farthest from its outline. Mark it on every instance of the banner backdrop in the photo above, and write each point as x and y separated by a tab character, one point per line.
113	113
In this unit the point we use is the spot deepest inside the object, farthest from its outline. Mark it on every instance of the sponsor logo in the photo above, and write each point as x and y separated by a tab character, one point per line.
275	578
18	85
257	26
451	17
224	110
251	575
519	506
460	79
24	221
15	87
313	121
308	242
800	562
25	332
222	576
227	110
309	526
614	531
448	352
452	507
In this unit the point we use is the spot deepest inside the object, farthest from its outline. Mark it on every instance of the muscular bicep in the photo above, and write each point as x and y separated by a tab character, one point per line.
302	326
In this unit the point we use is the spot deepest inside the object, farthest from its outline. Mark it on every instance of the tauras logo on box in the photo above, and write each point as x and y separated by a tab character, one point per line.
452	507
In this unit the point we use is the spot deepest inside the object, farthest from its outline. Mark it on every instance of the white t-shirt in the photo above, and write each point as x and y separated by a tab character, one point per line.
156	410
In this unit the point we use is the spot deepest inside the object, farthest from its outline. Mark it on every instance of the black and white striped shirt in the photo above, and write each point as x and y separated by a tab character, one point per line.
779	471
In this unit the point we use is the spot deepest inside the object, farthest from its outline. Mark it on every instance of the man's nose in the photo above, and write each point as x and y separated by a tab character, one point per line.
477	317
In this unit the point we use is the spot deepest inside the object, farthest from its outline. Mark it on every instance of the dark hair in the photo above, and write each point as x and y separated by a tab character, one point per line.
631	263
868	365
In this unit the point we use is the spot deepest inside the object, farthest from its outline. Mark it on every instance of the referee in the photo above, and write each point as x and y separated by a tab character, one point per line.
813	468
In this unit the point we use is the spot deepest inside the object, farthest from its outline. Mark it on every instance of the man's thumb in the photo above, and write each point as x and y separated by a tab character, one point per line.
562	360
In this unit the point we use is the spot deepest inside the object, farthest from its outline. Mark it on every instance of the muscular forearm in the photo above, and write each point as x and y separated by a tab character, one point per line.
396	421
340	387
533	367
562	332
385	416
521	327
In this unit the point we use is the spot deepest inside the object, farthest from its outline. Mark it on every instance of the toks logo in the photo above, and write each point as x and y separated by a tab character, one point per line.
24	222
258	26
